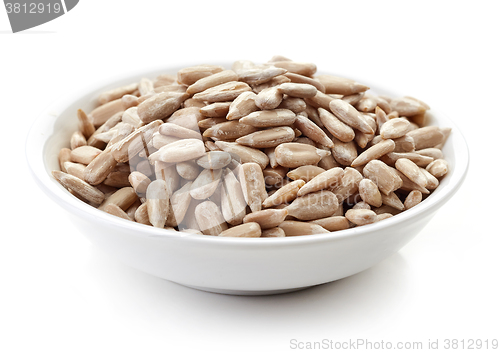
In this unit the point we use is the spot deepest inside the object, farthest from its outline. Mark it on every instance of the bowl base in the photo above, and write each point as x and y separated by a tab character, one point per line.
245	292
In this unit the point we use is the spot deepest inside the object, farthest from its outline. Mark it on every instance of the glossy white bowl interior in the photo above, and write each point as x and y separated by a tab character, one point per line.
229	265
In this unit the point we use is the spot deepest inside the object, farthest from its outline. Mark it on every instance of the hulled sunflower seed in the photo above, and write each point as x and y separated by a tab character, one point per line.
63	157
244	153
313	131
314	205
340	85
432	181
409	185
296	105
84	124
299	90
370	193
205	184
209	218
296	228
305	172
211	81
229	130
247	230
385	177
102	113
361	217
374	152
335	126
392	200
344	152
233	202
413	199
427	137
78	186
267	218
395	128
332	223
114	210
269	98
75	169
134	143
169	129
438	168
116	93
187	170
179	151
257	76
284	194
434	153
84	154
299	68
216	110
270	118
157	201
123	198
160	106
190	75
325	180
407	107
271	137
349	184
252	185
349	115
214	160
179	204
139	182
411	170
293	155
275	232
223	92
243	105
295	78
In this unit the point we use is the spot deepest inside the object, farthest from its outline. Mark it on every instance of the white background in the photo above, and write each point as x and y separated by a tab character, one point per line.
61	294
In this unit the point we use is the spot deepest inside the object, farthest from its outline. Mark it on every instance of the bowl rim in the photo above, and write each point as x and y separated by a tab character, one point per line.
38	136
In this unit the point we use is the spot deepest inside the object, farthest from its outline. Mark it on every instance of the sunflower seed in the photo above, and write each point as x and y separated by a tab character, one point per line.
320	100
157	201
392	200
296	228
160	106
395	128
179	204
361	205
348	185
325	180
123	198
418	159
78	186
276	232
411	170
247	230
438	168
369	193
190	75
169	129
139	182
311	130
257	76
244	153
284	194
267	218
134	143
340	85
233	202
432	181
243	105
314	205
270	118
295	78
214	160
273	177
305	173
299	90
116	93
114	210
366	104
187	117
141	214
335	126
407	107
271	137
84	154
374	152
268	98
205	184
332	223
223	92
212	81
299	68
253	185
434	153
409	185
344	152
229	130
293	155
187	170
84	124
179	151
75	169
215	110
102	113
361	217
349	115
209	218
385	177
413	199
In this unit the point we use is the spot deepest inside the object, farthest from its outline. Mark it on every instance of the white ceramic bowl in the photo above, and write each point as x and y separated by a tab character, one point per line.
231	265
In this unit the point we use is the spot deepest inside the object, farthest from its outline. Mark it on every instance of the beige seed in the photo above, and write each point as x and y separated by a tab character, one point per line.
340	85
314	205
215	110
392	200
380	117
205	184
354	98
349	115
169	129
243	153
271	118
233	203
145	86
267	218
165	79
344	152
139	182
374	152
365	104
276	232
411	170
84	124
160	106
434	153
311	130
361	217
427	137
187	170
179	204
123	198
269	98
299	90
407	106
305	173
223	92
432	181
335	126
190	75
271	137
187	117
180	151
134	143
253	185
255	76
160	140
382	216
108	125
413	199
293	155
99	168
212	81
209	218
274	176
229	130
409	185
78	186
369	193
214	160
63	157
274	82
320	100
102	113
438	168
295	78
349	184
385	177
141	214
297	228
114	210
296	105
243	105
157	200
84	154
117	179
418	159
325	180
299	68
209	122
395	128
284	194
332	223
248	230
167	173
116	93
75	169
404	144
77	140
